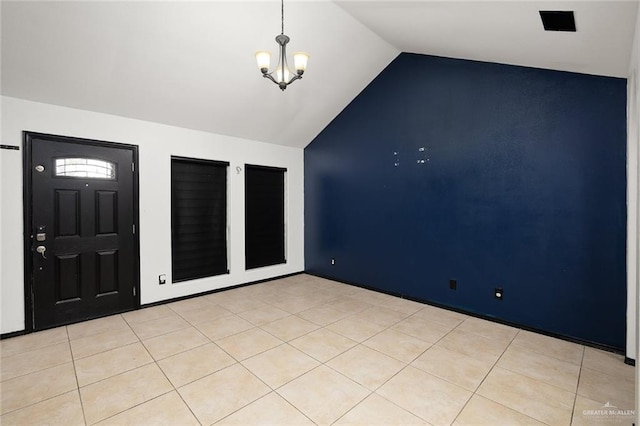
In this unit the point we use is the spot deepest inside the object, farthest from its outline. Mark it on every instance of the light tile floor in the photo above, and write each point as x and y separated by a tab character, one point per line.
305	350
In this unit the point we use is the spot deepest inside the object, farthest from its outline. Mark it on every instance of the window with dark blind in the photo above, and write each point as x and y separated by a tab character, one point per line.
264	216
198	218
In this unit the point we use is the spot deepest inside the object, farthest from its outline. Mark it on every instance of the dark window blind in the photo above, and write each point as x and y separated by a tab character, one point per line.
198	218
264	216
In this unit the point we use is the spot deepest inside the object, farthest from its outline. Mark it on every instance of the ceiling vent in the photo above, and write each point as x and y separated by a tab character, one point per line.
554	20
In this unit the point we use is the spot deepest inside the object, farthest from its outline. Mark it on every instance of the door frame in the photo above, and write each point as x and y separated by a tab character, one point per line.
27	188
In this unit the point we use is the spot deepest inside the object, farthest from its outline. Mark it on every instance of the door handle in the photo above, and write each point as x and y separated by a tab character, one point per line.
41	250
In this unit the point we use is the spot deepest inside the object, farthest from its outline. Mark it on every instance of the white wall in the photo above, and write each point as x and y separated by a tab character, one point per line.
633	88
157	143
633	219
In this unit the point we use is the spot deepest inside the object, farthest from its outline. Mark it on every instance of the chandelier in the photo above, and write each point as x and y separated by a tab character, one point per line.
282	75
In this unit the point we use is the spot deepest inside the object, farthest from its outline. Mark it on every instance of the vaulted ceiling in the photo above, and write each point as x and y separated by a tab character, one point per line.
191	64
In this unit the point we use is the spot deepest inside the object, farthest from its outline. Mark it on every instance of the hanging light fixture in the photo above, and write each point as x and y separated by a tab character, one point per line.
282	75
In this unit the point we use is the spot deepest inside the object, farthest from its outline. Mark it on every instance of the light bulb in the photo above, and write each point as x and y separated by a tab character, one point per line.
279	78
300	61
264	60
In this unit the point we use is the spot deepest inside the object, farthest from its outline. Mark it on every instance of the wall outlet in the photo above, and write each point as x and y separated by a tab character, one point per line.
162	279
498	293
453	284
333	261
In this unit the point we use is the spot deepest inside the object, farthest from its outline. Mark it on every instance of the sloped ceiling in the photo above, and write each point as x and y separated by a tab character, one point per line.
507	32
191	64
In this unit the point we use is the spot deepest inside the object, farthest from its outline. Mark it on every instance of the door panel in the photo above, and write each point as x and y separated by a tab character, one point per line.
107	274
83	247
67	213
67	277
107	212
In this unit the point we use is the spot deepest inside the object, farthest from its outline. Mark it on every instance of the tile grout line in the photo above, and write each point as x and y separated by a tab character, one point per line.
108	349
495	364
320	362
106	378
423	352
153	361
575	397
175	389
120	372
520	373
332	369
388	400
133	406
161	334
75	373
474	393
538	352
271	390
142	308
77	389
39	369
390	378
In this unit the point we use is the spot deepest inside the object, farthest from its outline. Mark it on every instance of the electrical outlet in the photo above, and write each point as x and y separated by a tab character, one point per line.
498	293
453	284
333	261
162	279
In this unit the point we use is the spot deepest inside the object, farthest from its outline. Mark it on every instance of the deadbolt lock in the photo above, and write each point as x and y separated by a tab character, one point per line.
41	233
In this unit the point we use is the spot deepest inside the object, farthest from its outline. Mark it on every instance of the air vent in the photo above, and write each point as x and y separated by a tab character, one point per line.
554	20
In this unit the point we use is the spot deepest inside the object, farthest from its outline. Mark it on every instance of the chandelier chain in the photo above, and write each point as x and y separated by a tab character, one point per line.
282	15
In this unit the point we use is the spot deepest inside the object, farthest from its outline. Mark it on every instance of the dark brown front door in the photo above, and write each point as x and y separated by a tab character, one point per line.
83	250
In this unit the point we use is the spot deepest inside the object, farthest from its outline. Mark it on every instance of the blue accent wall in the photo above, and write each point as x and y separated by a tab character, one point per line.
523	186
